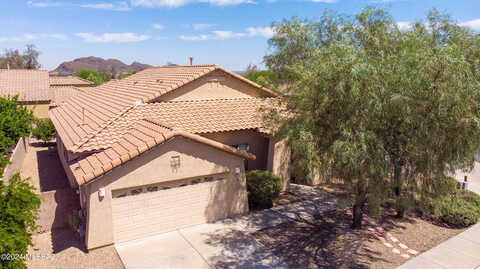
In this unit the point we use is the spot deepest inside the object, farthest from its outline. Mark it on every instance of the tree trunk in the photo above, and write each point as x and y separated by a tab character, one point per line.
398	182
357	216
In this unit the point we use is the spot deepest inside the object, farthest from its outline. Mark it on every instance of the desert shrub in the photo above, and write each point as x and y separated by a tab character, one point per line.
19	207
44	130
459	209
263	187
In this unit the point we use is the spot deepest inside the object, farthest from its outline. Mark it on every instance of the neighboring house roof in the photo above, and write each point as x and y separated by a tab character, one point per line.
30	85
145	135
56	81
85	116
61	94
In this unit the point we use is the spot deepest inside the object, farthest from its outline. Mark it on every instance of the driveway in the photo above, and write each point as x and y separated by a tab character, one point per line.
224	244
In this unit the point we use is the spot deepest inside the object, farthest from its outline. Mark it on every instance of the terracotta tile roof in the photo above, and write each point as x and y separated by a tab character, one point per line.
200	116
69	81
30	85
61	94
145	135
85	116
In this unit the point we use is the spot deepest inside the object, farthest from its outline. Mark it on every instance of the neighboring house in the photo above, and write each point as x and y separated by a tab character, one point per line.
33	89
70	81
165	148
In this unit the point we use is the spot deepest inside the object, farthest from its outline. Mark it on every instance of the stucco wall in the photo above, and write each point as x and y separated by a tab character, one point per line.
39	110
155	166
217	85
16	159
258	145
62	154
279	157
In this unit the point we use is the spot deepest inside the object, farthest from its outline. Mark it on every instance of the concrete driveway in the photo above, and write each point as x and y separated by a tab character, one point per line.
202	246
224	244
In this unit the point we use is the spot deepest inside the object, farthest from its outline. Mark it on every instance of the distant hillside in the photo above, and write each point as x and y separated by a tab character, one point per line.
100	65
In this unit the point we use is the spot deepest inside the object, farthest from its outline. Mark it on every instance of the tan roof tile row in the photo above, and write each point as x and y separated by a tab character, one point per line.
61	94
30	85
69	81
200	116
145	135
87	115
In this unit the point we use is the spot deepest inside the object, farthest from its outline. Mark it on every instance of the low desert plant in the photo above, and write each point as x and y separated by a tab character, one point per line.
459	209
263	187
44	130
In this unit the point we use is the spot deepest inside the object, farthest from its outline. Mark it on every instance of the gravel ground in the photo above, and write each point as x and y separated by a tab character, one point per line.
43	166
68	252
327	241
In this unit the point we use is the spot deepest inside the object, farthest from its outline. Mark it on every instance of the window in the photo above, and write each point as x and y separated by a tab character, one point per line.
152	188
136	191
244	148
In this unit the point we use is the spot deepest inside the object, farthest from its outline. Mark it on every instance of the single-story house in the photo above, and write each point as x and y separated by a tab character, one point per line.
70	81
165	148
34	90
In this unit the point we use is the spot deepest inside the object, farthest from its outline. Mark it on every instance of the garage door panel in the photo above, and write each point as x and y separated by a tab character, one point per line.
160	211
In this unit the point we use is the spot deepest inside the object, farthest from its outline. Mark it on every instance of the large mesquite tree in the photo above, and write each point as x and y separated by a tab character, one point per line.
390	112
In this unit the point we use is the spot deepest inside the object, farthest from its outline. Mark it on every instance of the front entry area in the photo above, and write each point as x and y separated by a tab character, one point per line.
144	211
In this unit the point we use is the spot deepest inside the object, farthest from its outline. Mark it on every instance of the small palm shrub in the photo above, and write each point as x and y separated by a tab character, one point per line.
263	187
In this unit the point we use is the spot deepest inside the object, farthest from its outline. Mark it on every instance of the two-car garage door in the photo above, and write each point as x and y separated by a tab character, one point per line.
149	210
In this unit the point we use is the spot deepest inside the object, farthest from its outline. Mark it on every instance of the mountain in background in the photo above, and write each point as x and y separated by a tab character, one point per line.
112	66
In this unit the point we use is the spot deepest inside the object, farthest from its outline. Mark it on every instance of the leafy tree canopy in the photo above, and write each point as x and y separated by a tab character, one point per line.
264	78
390	112
93	76
44	130
15	122
17	60
19	208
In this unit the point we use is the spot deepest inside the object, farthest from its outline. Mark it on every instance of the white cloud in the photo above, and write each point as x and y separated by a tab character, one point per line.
43	4
158	26
30	37
178	3
195	37
473	24
112	37
201	26
266	32
404	25
226	34
119	6
261	31
325	1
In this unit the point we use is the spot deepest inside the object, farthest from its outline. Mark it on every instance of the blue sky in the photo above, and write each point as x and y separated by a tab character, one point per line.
232	33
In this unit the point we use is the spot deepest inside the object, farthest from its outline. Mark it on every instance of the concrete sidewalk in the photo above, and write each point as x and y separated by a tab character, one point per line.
461	251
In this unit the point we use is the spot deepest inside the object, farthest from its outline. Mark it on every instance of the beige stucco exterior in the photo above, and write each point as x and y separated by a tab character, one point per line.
226	198
217	85
40	110
117	218
258	145
279	158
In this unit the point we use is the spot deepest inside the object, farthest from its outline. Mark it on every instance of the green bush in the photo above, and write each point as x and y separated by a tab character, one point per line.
263	187
18	212
460	209
44	130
